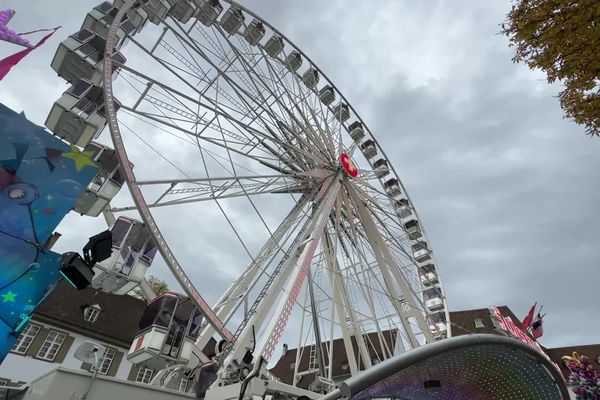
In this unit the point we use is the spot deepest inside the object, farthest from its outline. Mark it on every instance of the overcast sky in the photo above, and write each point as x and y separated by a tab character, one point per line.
507	189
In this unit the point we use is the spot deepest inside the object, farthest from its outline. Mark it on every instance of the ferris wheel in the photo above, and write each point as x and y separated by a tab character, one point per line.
213	108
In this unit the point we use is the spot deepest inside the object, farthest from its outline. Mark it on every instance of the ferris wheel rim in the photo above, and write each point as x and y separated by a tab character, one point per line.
139	199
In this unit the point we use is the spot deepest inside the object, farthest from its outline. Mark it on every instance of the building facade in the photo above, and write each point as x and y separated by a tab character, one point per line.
63	322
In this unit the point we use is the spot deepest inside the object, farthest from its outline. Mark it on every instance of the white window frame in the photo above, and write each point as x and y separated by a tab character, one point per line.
25	339
183	384
106	361
91	313
52	344
479	323
144	375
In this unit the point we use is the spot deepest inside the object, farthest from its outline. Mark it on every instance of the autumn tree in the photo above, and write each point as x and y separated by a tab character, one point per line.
562	38
158	286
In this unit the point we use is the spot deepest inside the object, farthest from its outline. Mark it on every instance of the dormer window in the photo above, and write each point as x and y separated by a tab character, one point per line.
91	313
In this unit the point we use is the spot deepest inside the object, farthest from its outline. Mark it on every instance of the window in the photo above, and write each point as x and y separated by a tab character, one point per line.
25	338
107	360
92	313
144	375
51	345
479	323
183	384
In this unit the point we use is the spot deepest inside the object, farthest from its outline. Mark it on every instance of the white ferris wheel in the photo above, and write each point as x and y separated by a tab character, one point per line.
211	107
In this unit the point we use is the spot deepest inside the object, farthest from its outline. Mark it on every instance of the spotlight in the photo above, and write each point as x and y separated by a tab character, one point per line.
98	248
75	270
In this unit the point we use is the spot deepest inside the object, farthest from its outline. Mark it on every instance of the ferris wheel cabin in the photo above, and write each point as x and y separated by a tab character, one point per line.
341	112
428	275
356	130
167	332
413	229
132	254
381	168
274	46
208	11
137	15
368	149
293	61
232	20
327	95
101	17
105	185
402	208
433	299
183	10
392	187
311	77
254	32
421	252
81	56
78	116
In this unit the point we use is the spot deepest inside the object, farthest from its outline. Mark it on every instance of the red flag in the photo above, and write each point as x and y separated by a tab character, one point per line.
537	327
529	318
10	61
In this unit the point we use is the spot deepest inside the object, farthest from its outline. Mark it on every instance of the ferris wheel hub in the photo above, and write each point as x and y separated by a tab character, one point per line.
348	165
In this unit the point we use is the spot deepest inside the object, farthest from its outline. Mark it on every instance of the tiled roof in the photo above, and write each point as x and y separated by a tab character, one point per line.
463	322
117	323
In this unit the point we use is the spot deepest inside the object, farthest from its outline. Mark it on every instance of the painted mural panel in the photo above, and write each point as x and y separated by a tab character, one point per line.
41	178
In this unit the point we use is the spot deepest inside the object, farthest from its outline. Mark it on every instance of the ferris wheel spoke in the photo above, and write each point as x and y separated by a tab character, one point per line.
208	104
391	273
252	72
204	190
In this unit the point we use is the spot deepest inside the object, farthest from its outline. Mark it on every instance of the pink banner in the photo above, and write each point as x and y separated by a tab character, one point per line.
10	61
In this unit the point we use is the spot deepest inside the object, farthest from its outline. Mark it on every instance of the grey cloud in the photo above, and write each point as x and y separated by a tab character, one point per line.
507	190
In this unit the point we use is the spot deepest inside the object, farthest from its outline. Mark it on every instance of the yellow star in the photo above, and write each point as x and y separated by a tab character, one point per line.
9	297
81	158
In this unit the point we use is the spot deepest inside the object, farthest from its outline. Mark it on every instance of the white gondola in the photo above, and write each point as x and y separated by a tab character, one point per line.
81	56
132	254
167	332
78	116
232	20
311	77
293	61
274	45
429	279
357	132
254	32
368	148
136	14
100	19
105	185
403	208
157	10
413	229
434	304
208	11
392	187
326	95
421	252
341	112
183	10
381	168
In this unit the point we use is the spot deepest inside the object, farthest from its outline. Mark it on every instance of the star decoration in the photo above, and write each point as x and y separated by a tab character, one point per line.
9	297
81	158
